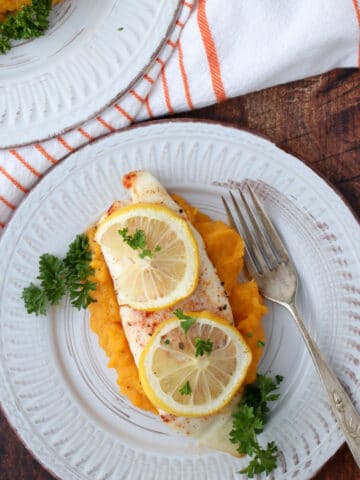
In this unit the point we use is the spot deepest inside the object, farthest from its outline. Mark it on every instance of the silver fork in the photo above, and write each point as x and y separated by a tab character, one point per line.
269	263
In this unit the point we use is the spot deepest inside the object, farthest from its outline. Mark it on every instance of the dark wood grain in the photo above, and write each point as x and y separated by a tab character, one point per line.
318	120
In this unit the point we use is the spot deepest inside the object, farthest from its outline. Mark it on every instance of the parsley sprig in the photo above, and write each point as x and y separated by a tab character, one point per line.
186	389
137	241
29	22
265	460
60	276
35	299
249	419
187	321
202	346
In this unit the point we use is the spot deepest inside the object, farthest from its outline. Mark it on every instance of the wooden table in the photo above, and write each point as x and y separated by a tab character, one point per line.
318	120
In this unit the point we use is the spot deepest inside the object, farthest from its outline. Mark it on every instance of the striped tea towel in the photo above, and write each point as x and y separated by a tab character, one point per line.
218	49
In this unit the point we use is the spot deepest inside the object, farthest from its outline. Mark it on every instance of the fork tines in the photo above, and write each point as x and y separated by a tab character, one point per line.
264	248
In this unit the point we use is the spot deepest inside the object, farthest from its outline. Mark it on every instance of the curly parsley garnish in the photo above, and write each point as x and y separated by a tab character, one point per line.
30	21
265	460
202	346
187	320
35	299
60	276
137	241
249	419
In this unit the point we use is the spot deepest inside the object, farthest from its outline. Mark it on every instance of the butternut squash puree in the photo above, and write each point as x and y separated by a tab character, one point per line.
226	250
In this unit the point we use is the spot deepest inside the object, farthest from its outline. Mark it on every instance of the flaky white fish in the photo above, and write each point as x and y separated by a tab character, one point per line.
209	295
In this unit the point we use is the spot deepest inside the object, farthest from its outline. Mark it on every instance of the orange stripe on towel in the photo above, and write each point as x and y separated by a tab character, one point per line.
124	113
43	152
105	124
165	86
7	203
161	62
137	96
64	143
85	134
149	79
184	77
24	162
148	108
211	53
166	91
13	181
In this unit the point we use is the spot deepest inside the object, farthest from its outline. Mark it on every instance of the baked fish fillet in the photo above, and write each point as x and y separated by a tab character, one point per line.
213	430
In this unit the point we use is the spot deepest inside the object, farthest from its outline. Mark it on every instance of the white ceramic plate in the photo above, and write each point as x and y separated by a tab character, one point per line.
80	66
54	384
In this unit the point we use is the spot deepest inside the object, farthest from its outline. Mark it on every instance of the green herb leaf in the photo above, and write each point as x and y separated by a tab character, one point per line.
35	299
246	425
80	293
202	346
249	334
77	261
52	275
59	277
29	22
260	343
4	44
249	419
78	258
185	389
261	392
265	460
137	241
146	253
187	320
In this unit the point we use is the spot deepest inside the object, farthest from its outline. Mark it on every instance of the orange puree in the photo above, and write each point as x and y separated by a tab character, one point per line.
226	250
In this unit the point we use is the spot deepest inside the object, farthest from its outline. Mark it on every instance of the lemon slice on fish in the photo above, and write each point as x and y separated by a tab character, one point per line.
195	372
152	255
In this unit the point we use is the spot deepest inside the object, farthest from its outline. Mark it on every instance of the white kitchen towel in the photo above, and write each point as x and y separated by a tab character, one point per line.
218	49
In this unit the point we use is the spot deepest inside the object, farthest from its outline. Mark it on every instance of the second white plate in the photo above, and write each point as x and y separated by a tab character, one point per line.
80	66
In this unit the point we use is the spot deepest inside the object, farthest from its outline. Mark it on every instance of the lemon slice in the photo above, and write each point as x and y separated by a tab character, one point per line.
180	382
169	270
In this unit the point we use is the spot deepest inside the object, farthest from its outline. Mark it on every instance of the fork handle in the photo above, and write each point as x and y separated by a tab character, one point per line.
344	410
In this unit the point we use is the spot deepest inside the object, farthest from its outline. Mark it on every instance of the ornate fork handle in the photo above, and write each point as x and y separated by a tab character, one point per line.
269	263
345	413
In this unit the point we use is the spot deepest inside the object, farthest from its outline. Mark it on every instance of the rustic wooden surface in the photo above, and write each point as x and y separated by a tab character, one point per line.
318	120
